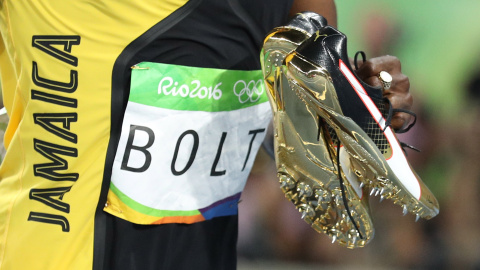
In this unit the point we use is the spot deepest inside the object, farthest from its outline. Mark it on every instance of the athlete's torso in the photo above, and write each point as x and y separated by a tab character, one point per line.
65	70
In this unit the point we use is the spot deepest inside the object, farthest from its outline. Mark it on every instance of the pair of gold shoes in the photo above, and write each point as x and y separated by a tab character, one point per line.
331	153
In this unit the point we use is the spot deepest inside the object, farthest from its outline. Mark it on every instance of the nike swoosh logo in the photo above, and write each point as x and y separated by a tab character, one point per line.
397	161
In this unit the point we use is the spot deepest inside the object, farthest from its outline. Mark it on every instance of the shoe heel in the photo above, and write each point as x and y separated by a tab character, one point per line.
280	42
284	39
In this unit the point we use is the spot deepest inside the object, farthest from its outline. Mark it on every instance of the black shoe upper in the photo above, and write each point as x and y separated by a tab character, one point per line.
308	21
326	48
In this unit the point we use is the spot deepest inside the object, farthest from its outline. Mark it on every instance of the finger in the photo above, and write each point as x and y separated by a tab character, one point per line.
400	120
373	81
400	87
372	67
404	101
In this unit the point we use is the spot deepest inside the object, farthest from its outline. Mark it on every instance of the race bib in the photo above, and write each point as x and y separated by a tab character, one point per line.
189	139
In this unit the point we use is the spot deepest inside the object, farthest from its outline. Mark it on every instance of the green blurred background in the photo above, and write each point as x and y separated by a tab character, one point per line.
437	43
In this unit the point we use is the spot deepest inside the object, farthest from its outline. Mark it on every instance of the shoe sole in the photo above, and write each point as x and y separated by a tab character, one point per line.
312	184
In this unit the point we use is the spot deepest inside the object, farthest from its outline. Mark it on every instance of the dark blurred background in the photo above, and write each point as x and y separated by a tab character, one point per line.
438	44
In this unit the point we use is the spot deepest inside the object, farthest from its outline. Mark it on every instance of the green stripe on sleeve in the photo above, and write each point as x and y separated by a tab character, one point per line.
195	89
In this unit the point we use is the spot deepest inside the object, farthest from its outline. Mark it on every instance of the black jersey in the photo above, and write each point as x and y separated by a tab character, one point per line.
217	34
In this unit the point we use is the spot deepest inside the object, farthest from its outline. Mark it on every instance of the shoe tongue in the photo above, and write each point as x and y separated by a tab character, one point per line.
308	21
329	31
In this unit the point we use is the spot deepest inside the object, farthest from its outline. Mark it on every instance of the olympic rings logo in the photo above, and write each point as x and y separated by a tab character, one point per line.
251	91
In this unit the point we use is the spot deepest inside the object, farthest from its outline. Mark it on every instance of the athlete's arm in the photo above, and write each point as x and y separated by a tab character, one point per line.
326	8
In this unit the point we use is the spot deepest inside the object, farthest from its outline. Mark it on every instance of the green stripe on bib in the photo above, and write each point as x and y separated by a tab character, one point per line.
140	208
196	89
